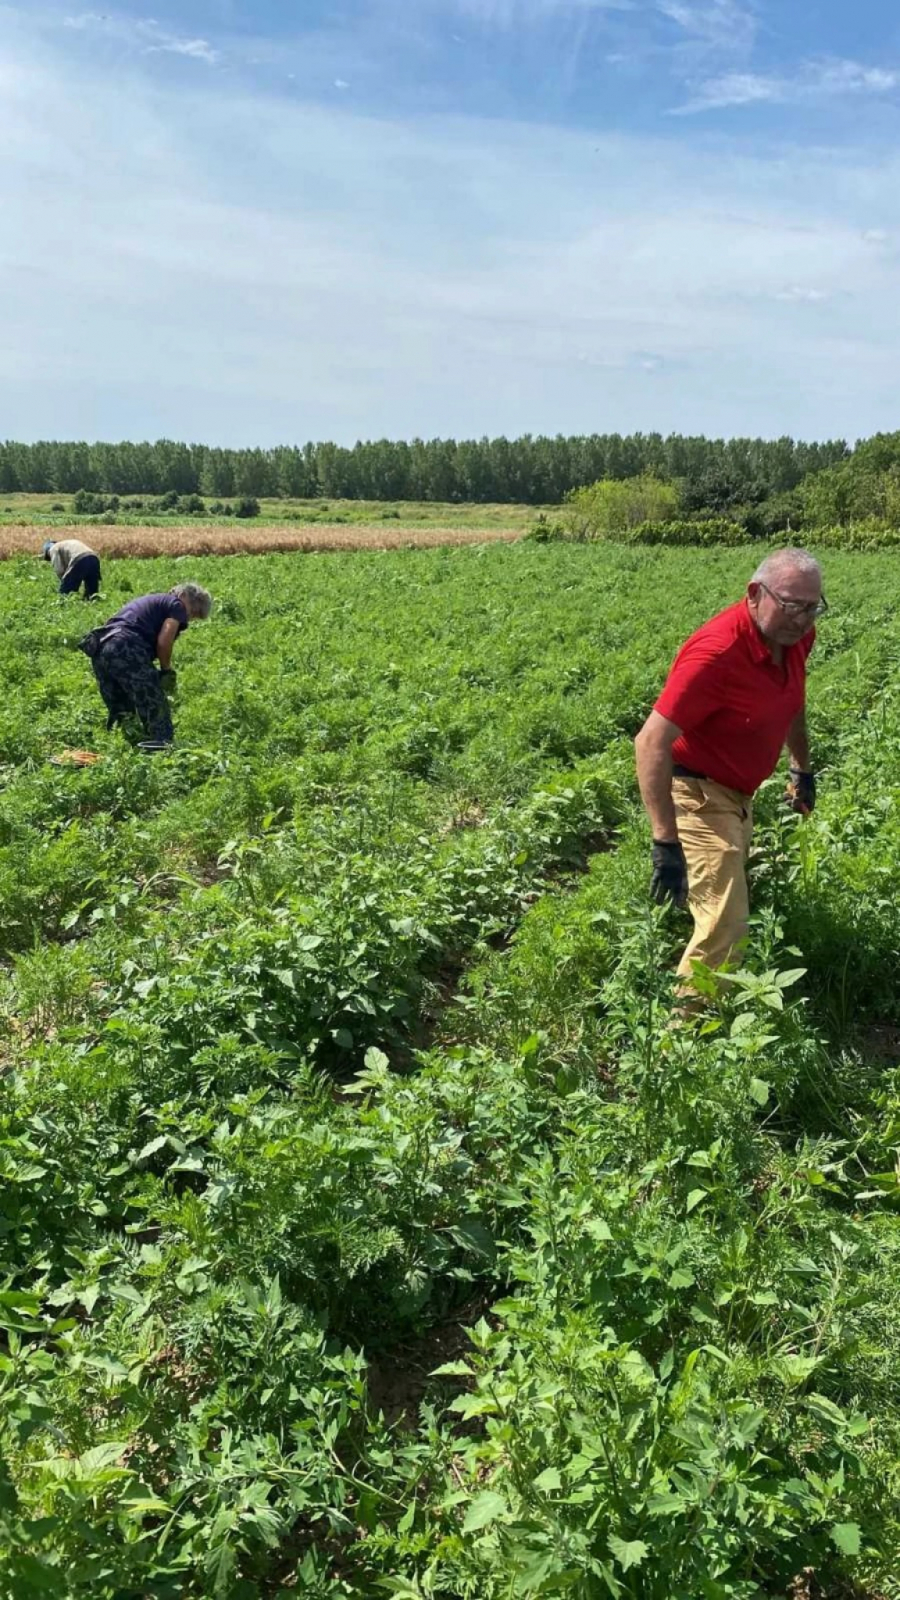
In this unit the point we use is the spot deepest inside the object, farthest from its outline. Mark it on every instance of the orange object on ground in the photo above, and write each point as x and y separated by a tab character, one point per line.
75	758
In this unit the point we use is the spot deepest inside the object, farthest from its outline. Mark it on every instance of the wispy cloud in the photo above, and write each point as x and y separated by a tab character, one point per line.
144	34
721	23
799	294
196	49
815	80
251	228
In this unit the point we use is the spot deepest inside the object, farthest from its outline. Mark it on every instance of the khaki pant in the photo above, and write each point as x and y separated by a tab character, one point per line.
714	826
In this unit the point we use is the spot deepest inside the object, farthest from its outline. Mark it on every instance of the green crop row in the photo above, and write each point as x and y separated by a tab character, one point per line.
345	1028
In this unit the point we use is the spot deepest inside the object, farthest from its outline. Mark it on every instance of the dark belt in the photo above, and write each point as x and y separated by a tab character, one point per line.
688	772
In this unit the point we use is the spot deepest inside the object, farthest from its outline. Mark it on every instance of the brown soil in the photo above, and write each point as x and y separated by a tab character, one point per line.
397	1382
880	1042
187	539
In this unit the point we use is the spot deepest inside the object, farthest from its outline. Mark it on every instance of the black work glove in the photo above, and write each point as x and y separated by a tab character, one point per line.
670	875
168	678
800	793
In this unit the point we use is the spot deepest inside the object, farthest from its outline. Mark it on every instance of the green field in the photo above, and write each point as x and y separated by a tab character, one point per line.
366	1228
56	510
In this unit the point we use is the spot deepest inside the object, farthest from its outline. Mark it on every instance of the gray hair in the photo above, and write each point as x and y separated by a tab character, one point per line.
781	561
199	600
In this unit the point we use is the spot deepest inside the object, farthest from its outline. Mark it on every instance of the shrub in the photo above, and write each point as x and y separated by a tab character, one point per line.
543	531
248	506
88	504
686	531
681	531
871	534
605	509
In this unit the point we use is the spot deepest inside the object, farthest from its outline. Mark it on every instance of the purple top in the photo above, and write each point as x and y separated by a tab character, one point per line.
146	615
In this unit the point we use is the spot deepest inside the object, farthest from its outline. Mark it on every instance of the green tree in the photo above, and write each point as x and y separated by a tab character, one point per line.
603	509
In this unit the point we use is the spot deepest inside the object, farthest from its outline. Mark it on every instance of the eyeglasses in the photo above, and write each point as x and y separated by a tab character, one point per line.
797	608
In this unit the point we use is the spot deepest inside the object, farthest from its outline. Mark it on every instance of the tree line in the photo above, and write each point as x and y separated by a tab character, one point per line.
714	475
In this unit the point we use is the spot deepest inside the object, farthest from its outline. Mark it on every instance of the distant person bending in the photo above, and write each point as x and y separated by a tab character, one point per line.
735	696
74	564
123	652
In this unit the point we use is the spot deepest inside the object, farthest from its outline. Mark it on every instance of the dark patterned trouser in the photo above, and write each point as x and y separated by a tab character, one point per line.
129	682
84	570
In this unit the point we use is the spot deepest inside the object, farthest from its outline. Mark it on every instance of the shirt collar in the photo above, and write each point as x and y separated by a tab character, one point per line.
759	650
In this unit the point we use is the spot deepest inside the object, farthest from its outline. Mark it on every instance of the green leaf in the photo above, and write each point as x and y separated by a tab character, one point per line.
628	1552
21	1300
784	980
681	1278
759	1091
485	1508
474	1405
547	1480
102	1456
150	1149
694	1198
847	1537
126	1291
147	1506
472	1234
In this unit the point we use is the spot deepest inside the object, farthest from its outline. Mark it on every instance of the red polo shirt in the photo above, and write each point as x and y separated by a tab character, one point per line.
732	702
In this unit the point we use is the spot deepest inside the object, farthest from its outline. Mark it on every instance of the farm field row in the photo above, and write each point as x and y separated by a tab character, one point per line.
175	539
56	510
342	1029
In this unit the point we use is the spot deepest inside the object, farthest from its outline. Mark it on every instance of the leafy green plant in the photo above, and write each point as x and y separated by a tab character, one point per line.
346	1028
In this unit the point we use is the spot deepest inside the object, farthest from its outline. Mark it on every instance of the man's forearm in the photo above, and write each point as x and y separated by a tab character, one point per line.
654	770
798	743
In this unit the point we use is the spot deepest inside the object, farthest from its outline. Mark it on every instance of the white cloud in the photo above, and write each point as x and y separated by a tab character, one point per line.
721	23
734	89
171	44
143	33
797	293
816	80
215	262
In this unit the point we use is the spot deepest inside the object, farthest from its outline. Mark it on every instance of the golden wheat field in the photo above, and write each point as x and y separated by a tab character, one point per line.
187	540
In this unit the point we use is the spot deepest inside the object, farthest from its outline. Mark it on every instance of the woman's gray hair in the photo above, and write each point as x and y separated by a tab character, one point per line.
781	561
199	600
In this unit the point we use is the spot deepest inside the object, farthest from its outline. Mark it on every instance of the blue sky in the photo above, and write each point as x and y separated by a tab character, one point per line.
257	223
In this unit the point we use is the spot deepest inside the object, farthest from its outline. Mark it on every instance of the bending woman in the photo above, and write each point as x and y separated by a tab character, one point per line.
123	653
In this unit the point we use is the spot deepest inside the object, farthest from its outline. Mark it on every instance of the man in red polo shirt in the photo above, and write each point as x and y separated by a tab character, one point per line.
735	696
